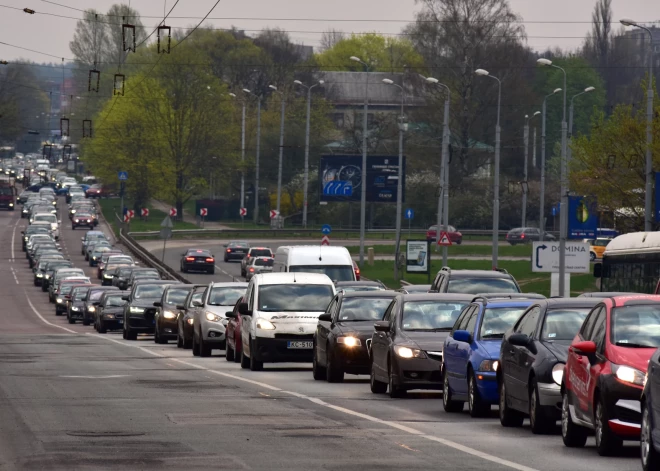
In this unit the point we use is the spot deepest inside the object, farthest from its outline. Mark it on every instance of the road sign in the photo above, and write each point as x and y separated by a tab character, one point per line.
326	229
144	212
409	214
417	256
554	211
127	218
338	188
325	240
444	239
173	212
165	233
274	213
167	222
242	212
545	257
203	212
123	176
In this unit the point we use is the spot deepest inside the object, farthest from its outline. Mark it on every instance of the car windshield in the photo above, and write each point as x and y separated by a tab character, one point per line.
430	315
636	326
239	245
79	294
5	190
71	273
294	297
363	309
99	250
146	274
91	237
497	320
225	296
114	301
149	291
46	217
563	324
66	288
261	253
96	295
177	295
482	285
125	272
334	272
262	262
117	260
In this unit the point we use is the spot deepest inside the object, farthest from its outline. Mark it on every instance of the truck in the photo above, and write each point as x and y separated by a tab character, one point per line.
7	195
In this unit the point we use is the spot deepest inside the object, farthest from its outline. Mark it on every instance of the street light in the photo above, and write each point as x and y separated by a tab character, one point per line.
563	208
306	172
443	196
233	95
279	165
256	177
648	202
542	192
496	178
399	183
363	198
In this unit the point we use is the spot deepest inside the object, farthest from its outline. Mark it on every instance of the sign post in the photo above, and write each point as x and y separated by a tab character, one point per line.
165	233
123	177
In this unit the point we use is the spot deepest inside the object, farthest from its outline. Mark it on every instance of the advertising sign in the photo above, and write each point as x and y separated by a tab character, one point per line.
545	257
341	178
582	218
417	256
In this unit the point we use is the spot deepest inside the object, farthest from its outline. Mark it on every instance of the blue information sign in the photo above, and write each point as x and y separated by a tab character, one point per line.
326	229
123	176
582	218
409	214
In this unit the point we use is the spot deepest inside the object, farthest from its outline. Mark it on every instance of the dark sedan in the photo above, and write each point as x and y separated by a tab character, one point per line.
406	348
197	260
41	265
139	312
120	278
110	311
236	250
93	296
50	269
142	274
167	313
185	316
536	347
344	331
75	303
526	235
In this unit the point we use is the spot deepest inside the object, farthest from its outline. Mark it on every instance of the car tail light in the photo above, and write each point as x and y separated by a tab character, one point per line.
522	236
251	269
190	259
357	273
210	260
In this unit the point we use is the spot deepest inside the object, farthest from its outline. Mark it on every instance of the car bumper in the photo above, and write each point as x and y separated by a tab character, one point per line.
623	406
353	360
276	350
235	256
167	328
76	315
418	373
550	395
141	324
199	266
487	386
213	332
113	324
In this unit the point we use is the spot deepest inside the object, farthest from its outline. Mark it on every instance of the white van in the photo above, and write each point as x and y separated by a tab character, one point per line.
280	315
335	262
50	219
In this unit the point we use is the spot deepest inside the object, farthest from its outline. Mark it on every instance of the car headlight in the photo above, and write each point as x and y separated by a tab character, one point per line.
11	204
53	226
213	317
93	258
107	277
190	321
59	301
489	365
265	325
73	211
54	203
628	374
91	309
407	352
47	276
135	310
74	308
558	373
169	315
77	220
109	316
40	275
349	341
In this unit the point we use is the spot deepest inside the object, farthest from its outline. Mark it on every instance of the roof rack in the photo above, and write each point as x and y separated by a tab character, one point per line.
485	297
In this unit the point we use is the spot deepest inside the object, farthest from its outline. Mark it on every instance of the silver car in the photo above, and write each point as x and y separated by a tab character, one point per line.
209	317
258	265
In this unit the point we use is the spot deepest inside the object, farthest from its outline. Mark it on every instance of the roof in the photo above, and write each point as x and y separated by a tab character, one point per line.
370	294
229	284
437	297
155	282
619	301
479	273
634	242
358	283
315	255
569	302
291	277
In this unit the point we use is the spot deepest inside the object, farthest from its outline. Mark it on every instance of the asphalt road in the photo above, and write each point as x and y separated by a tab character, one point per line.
72	399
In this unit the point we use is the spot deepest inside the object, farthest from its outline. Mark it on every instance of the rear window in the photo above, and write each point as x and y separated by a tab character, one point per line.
482	285
261	253
260	262
515	231
497	320
239	245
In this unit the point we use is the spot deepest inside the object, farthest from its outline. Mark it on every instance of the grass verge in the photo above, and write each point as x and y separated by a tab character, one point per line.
110	206
455	250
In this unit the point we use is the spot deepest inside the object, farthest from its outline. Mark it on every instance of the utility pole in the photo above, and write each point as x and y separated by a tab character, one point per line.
524	185
279	164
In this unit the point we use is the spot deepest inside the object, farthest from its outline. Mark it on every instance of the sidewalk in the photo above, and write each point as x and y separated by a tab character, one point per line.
190	218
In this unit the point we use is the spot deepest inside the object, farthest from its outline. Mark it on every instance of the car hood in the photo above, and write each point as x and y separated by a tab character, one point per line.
635	357
291	317
492	347
433	341
363	329
559	348
144	302
113	310
79	304
219	310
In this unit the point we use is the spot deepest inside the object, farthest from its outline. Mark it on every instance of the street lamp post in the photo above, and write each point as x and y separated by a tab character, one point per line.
279	164
570	122
242	153
524	184
399	184
363	199
648	199
542	192
563	209
496	172
443	196
256	174
306	171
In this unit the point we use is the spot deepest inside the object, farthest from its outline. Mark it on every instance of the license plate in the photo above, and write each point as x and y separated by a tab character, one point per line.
300	345
201	261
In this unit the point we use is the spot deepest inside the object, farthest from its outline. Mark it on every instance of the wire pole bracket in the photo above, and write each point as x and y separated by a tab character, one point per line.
94	75
66	152
49	148
87	128
119	85
64	127
130	44
164	50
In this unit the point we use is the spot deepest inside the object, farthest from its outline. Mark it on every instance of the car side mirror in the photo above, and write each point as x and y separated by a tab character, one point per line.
181	307
519	340
382	326
586	347
325	317
125	298
198	304
230	314
158	304
244	310
462	336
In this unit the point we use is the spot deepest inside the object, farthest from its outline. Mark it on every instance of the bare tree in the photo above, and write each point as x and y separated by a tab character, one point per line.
330	38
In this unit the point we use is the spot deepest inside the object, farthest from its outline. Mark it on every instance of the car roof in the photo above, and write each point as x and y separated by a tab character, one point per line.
370	294
554	303
478	274
198	250
105	288
156	282
229	284
291	278
632	300
358	283
436	297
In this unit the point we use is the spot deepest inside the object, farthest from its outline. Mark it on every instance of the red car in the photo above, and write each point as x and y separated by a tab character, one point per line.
233	335
604	376
95	191
455	236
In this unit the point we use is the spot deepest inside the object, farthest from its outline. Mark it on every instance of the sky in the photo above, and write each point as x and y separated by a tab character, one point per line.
304	19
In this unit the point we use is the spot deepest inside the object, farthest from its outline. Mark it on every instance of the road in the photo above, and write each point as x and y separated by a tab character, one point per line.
73	399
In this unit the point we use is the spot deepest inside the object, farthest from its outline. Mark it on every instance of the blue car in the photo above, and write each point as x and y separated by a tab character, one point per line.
471	352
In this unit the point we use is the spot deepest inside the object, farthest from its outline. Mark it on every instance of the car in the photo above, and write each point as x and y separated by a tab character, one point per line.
62	293
604	376
139	312
258	265
334	262
50	268
454	236
410	289
343	334
121	276
236	250
474	282
75	303
650	439
49	218
40	266
94	295
527	235
597	247
471	352
233	333
110	270
41	251
254	252
103	260
110	311
197	260
95	191
184	318
88	237
34	229
350	286
97	252
58	276
167	313
406	347
82	220
94	244
142	274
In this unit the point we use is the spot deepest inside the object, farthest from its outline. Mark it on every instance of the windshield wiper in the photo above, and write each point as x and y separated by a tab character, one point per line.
437	329
633	345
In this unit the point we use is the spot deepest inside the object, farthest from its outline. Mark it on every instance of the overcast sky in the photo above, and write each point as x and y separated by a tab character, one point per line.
52	35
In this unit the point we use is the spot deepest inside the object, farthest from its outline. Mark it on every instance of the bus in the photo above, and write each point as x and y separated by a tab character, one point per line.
631	263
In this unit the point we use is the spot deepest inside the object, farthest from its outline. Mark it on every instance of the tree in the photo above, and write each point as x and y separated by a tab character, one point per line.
330	38
597	48
118	15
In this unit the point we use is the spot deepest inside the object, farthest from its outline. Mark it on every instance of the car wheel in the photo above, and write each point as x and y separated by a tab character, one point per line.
237	356
592	256
123	334
395	390
229	353
476	406
459	241
225	259
539	421
254	364
448	404
508	417
245	361
101	329
650	457
204	349
130	335
85	321
377	387
156	335
71	321
318	372
195	345
187	344
334	374
179	340
573	435
607	443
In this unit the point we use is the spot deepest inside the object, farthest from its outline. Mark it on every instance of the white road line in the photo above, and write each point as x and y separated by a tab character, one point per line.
13	238
14	274
43	319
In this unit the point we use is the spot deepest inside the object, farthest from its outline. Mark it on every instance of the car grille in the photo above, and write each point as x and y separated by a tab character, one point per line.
295	337
627	415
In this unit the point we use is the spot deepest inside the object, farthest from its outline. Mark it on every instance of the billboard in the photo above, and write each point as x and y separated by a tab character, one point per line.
341	178
417	256
582	217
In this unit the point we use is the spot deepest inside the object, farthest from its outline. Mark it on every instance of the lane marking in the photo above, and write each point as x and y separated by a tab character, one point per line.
13	238
14	274
95	377
43	319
